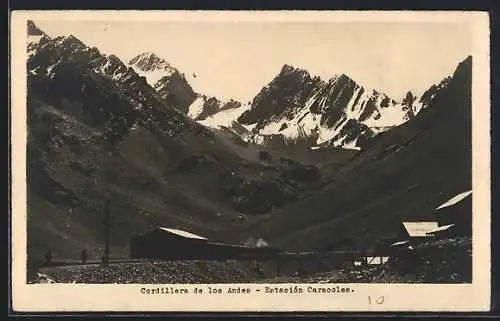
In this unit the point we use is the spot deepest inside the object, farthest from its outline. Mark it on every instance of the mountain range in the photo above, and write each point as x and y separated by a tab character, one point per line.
403	175
306	164
294	107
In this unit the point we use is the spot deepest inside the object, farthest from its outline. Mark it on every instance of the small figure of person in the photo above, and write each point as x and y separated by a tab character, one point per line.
104	260
83	256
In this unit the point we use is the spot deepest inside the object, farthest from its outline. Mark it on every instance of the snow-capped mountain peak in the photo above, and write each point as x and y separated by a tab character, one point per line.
36	38
152	67
165	79
70	43
149	61
33	30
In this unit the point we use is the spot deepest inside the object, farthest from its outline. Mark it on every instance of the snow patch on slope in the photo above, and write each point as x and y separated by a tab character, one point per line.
202	85
34	71
349	145
34	38
326	134
224	118
33	43
196	107
153	76
390	117
250	127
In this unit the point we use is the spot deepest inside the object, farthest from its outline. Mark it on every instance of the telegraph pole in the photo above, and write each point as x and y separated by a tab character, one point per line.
106	223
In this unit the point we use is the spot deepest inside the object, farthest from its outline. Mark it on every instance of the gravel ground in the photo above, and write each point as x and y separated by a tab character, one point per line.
168	272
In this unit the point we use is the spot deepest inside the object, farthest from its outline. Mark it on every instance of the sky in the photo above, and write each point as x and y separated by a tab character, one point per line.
234	59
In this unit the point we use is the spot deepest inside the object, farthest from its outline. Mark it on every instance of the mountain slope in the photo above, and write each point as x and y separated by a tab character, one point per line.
36	38
97	131
402	175
170	84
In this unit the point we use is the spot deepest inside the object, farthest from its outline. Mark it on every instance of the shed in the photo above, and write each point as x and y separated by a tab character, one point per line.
173	244
411	233
418	230
376	260
162	242
457	211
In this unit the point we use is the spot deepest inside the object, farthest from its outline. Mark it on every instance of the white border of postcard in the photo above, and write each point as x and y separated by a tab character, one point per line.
366	297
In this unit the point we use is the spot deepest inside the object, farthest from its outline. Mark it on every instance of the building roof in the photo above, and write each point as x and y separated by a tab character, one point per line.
372	260
417	229
230	245
182	233
399	243
442	228
454	200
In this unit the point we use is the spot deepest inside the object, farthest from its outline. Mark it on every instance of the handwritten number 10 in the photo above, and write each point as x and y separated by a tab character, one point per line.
378	300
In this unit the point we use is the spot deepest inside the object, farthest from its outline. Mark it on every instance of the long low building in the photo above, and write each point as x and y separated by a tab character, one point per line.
174	244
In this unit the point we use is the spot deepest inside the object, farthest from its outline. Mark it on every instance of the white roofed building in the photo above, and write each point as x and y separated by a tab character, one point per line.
175	244
182	233
419	229
453	217
414	232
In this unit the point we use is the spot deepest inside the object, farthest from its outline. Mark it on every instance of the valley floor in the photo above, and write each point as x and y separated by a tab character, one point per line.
439	261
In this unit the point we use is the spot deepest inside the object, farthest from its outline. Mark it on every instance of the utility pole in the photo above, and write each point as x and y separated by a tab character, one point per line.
106	223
